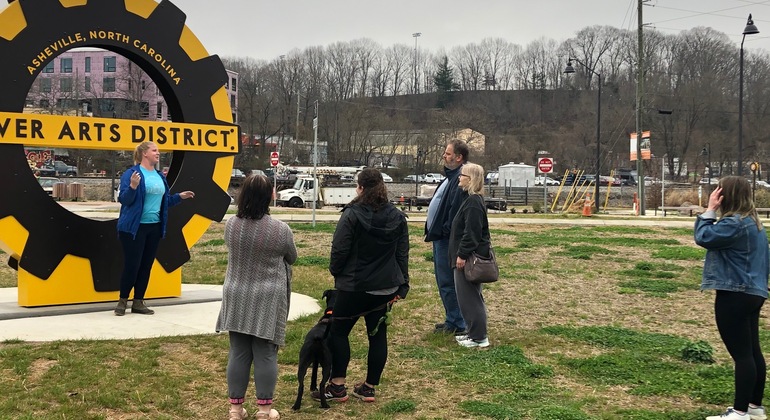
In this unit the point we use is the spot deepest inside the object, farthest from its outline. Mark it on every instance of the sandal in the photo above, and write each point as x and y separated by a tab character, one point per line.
238	415
272	415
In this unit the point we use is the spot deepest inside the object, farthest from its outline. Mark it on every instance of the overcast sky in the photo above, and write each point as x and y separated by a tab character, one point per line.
265	29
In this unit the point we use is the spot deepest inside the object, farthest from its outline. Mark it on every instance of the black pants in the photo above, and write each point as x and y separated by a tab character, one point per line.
737	316
138	256
349	304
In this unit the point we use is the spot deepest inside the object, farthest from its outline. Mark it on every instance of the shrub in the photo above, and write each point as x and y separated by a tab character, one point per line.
698	352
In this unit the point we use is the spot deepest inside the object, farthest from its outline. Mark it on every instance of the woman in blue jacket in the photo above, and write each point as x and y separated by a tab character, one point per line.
144	201
736	266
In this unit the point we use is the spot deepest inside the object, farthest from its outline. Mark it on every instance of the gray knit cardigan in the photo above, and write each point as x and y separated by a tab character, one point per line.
257	288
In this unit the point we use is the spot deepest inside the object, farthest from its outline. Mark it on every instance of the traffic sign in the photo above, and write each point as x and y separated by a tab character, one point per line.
274	158
545	165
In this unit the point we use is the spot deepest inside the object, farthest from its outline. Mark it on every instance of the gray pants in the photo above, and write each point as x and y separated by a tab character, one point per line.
472	306
247	349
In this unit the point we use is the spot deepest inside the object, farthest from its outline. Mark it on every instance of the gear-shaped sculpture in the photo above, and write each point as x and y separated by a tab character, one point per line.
39	232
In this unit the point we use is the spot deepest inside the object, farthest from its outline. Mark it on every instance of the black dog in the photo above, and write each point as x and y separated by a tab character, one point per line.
315	350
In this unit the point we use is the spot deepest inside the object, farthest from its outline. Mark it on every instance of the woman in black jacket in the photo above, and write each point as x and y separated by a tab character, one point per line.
369	262
470	233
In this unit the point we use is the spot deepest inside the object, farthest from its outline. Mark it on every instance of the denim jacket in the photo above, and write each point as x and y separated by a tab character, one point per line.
132	203
737	254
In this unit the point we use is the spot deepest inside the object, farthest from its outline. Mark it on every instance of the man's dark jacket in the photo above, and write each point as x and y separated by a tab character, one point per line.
370	249
450	202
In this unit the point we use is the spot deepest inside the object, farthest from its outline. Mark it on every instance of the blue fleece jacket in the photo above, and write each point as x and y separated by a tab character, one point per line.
132	202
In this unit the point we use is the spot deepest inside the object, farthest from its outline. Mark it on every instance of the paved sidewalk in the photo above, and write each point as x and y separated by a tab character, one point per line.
195	312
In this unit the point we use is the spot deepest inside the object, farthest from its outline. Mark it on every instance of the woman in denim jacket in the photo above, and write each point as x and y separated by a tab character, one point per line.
736	266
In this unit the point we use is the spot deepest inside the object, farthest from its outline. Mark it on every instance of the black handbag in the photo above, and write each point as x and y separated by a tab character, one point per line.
479	269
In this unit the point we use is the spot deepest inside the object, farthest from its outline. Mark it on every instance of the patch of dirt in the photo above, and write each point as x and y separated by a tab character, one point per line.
39	368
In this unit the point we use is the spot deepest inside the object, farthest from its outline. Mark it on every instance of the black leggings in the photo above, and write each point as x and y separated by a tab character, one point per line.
138	257
737	316
348	305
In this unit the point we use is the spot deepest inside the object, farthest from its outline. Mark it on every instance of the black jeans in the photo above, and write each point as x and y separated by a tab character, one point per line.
348	305
737	316
138	256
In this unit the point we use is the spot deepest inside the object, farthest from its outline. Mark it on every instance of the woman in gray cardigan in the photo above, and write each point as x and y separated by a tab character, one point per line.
255	296
469	234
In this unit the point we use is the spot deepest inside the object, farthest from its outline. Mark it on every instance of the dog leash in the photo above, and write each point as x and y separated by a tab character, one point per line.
385	318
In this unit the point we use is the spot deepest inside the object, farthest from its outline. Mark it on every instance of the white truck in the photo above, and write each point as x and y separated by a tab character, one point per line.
303	193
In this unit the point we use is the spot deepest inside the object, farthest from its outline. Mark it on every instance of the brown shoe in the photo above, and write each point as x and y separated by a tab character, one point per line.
138	307
120	310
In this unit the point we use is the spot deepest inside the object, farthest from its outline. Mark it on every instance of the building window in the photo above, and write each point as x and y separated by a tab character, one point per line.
65	65
232	101
45	103
110	64
227	84
144	85
88	64
130	84
233	84
66	103
48	68
159	111
109	84
45	85
88	84
65	84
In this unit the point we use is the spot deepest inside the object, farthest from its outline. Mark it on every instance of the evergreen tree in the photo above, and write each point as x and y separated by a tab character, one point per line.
445	84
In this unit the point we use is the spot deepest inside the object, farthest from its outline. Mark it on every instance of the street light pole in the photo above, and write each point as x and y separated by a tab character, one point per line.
750	29
416	86
707	152
568	70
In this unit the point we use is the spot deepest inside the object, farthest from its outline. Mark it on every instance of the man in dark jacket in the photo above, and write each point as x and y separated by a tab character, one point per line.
442	209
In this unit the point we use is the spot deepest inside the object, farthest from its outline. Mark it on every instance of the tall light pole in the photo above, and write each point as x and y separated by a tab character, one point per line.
568	70
707	152
416	85
750	29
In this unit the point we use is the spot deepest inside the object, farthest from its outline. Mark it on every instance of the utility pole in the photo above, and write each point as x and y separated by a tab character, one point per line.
315	161
416	82
639	95
296	132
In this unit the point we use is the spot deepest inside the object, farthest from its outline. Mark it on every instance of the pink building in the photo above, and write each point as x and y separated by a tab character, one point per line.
101	83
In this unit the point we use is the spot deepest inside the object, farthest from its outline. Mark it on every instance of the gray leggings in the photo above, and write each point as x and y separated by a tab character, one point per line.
472	305
245	349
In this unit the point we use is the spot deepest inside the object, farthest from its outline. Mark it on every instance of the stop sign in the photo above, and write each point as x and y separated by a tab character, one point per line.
274	158
545	165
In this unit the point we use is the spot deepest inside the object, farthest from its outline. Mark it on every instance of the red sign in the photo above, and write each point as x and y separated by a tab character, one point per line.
545	165
274	158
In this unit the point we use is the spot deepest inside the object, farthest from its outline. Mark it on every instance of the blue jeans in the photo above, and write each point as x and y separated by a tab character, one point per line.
446	285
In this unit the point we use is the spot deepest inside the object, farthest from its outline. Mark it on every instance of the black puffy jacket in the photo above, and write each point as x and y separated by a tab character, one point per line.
370	249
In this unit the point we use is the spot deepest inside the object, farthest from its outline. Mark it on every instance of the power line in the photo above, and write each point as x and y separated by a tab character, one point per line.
698	13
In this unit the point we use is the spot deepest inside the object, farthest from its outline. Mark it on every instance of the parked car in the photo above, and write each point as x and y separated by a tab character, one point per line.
548	181
257	172
648	180
705	181
434	178
386	177
46	182
492	177
411	178
608	180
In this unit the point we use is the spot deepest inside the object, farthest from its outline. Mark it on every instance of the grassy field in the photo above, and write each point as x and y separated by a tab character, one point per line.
586	323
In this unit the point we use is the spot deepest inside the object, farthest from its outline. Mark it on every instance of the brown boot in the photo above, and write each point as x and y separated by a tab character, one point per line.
138	307
120	310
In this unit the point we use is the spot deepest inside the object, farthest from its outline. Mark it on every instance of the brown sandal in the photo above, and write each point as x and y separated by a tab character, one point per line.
272	415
